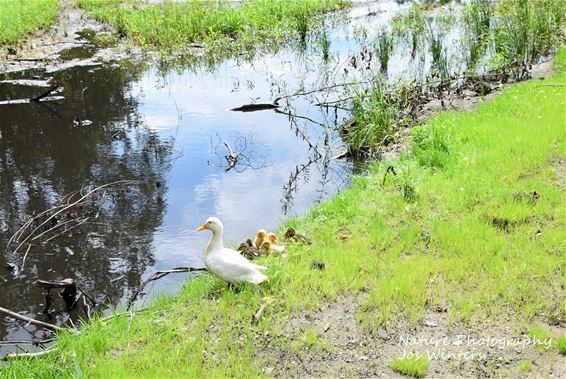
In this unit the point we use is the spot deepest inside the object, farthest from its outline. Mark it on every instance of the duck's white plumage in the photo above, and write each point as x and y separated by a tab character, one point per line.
226	263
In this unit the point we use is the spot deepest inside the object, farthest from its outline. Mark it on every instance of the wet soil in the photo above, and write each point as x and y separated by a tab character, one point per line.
483	348
69	42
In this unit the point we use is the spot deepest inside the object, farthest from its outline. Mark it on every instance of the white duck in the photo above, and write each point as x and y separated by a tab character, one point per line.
225	263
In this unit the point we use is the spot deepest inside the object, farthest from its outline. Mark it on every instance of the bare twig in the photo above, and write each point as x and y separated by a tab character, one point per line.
25	256
158	275
45	325
27	355
259	313
45	94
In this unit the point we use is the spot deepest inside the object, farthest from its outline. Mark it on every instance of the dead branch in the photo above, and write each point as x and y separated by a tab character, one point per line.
232	157
45	94
259	313
390	168
27	355
256	107
42	324
25	256
158	275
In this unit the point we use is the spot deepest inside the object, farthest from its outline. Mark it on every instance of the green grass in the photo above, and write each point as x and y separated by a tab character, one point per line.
526	367
173	26
457	228
20	17
561	344
541	336
415	367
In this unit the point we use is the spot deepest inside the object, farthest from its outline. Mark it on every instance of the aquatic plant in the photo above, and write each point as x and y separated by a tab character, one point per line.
324	42
384	46
375	118
439	55
410	26
526	29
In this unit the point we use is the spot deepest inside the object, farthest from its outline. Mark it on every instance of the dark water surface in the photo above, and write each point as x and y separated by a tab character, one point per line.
165	130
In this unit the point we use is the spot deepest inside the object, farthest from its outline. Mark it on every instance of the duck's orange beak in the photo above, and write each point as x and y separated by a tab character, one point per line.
201	228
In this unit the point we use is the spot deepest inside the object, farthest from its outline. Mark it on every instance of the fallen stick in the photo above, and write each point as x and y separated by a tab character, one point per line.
46	93
256	107
158	275
27	355
45	325
259	313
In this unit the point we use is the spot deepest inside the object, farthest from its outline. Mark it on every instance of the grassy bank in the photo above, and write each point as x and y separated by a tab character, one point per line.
20	17
472	223
173	27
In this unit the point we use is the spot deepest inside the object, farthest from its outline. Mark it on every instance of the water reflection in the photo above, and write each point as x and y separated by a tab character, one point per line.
43	157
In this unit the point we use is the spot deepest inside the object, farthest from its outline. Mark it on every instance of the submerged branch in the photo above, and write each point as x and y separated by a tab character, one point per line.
158	275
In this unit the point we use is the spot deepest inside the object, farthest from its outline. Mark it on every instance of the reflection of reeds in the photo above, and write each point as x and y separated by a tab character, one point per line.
325	45
384	48
439	57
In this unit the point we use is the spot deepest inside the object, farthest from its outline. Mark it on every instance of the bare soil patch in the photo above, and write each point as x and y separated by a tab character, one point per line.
481	349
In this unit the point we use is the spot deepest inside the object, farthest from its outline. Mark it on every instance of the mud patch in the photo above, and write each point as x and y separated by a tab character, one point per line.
68	42
486	348
559	164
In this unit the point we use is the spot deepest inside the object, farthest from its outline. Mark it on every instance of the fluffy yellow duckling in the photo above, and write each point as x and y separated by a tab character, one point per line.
272	238
273	246
260	238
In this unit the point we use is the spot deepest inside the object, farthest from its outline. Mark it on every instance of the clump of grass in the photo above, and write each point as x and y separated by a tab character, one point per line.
411	366
541	336
526	367
375	116
19	17
561	345
172	27
477	26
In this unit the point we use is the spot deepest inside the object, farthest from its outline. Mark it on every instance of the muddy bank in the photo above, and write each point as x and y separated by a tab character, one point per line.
71	41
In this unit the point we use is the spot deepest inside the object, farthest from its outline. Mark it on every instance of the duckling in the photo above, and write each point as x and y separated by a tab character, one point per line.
274	247
272	238
259	238
226	263
292	235
265	248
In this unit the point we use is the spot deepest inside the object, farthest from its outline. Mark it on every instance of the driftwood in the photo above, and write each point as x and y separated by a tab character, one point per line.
256	107
42	324
158	275
46	93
